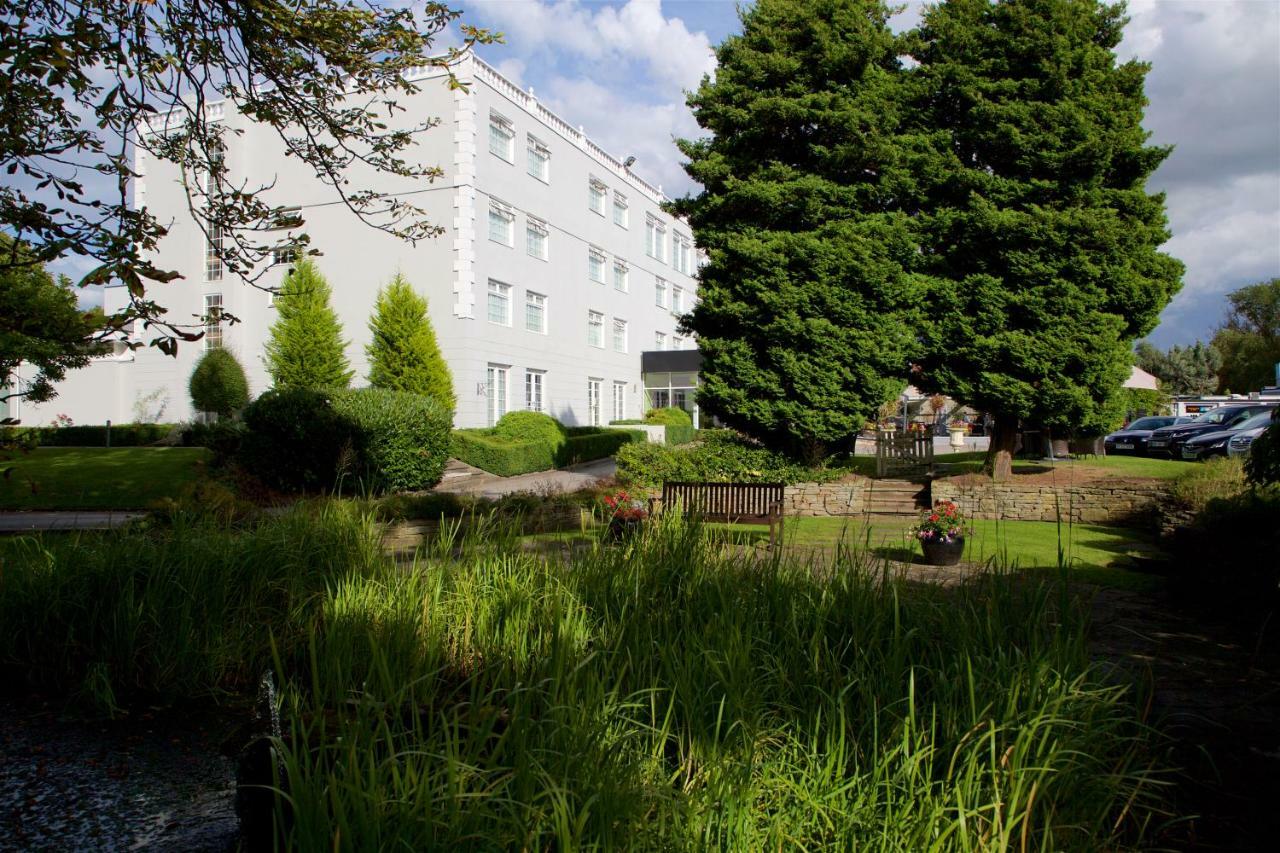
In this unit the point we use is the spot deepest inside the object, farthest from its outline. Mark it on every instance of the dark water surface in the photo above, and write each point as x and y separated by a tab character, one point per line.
153	781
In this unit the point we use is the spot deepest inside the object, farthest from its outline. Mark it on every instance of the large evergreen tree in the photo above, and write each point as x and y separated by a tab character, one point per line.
1181	370
305	348
403	354
1036	226
804	312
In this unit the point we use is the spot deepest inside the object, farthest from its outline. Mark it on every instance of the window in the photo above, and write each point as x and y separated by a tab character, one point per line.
539	160
595	329
619	335
620	209
535	312
620	275
499	303
593	402
501	223
677	300
501	137
677	342
213	321
213	253
533	385
496	392
619	400
660	293
659	340
535	238
655	238
595	200
284	255
595	265
682	251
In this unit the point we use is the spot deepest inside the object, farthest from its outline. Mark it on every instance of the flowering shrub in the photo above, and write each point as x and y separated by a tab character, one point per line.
623	507
943	523
959	424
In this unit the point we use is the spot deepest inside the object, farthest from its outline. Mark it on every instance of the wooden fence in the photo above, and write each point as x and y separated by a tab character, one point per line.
903	454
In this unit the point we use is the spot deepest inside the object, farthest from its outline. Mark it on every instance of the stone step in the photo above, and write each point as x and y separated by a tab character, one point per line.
455	469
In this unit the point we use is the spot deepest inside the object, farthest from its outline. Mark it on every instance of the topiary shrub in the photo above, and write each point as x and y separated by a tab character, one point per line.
294	439
671	416
679	434
585	444
218	384
400	441
480	448
403	353
532	426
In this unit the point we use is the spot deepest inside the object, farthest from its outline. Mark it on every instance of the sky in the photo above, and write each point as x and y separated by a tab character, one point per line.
621	68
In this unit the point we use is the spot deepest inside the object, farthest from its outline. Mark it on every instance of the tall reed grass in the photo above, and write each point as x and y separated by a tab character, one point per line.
671	694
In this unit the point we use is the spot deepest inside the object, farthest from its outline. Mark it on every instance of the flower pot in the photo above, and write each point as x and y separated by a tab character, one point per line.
941	552
957	438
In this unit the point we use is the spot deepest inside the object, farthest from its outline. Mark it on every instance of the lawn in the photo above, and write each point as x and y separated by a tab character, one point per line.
97	477
1116	466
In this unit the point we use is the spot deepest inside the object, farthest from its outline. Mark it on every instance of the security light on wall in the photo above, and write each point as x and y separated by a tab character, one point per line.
626	164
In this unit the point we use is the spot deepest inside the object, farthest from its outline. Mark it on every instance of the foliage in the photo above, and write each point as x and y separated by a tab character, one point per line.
399	440
481	448
122	435
41	324
531	426
943	523
93	478
218	384
223	439
403	353
412	701
304	348
669	416
586	444
1220	477
805	314
1036	230
87	83
677	434
1226	555
1181	370
1262	466
719	456
1145	401
623	507
1249	340
295	440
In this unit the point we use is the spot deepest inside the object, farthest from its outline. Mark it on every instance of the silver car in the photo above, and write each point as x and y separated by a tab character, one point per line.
1241	441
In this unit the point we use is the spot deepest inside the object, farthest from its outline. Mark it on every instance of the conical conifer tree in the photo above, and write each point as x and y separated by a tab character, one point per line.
305	348
404	355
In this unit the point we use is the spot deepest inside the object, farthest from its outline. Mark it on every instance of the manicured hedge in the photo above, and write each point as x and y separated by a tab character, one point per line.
679	434
122	435
400	439
585	444
670	415
481	449
531	426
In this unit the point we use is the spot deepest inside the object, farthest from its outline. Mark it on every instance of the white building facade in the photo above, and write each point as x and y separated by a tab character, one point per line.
557	267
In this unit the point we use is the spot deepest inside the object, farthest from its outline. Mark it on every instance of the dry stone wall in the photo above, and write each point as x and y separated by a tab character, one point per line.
1122	503
826	499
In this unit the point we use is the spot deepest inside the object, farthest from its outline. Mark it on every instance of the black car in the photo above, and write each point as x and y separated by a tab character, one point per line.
1132	439
1168	441
1214	443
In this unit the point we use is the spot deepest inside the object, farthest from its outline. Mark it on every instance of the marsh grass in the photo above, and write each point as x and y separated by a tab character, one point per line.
669	694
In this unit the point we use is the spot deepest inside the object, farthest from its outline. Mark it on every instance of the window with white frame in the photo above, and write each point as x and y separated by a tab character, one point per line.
677	300
619	400
284	255
213	252
502	136
595	265
682	250
595	329
539	156
620	272
535	238
593	402
534	383
496	392
660	293
660	340
620	213
596	192
502	221
677	342
619	335
535	312
655	238
213	321
499	303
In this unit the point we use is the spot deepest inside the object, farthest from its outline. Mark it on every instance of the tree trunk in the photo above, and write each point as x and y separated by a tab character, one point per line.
1004	438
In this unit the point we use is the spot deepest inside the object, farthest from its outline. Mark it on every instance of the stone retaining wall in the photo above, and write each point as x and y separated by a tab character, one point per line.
1123	503
826	499
408	535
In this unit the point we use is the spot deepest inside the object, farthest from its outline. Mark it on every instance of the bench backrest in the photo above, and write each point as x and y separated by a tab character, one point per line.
726	500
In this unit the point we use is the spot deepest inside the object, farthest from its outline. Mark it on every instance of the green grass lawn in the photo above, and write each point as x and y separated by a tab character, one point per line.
1125	466
97	477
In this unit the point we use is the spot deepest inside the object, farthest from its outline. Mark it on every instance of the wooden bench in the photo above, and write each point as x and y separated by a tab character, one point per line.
735	503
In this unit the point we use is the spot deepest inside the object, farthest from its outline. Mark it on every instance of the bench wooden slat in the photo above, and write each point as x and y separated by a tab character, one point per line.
759	503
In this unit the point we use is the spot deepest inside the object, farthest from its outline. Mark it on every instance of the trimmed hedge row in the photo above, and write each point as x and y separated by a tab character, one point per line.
122	435
720	456
679	434
491	451
585	444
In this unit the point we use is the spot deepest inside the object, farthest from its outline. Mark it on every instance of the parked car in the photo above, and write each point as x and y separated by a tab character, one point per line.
1132	439
1215	443
1241	441
1168	441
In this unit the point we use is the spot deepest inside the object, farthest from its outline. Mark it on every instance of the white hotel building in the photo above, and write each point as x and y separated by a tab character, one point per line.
556	270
